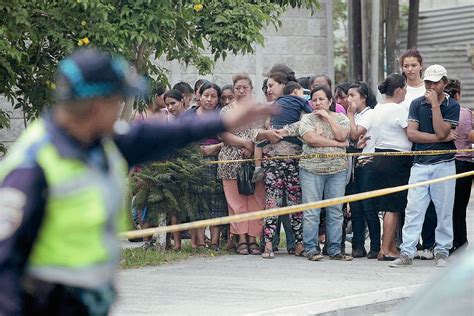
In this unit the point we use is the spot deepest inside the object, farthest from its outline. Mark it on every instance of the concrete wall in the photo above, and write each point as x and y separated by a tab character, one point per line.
8	136
304	42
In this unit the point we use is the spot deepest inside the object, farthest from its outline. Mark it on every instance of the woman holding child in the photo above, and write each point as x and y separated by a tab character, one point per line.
281	177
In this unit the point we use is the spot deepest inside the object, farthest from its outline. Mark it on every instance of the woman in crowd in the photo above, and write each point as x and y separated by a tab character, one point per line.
197	96
411	62
187	92
464	163
174	101
238	145
324	80
389	129
361	101
340	94
210	95
227	95
281	176
323	131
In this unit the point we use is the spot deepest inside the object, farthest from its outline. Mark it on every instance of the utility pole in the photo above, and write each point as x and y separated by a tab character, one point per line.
413	11
392	27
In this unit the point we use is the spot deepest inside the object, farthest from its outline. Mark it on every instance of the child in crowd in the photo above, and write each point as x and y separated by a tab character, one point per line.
292	104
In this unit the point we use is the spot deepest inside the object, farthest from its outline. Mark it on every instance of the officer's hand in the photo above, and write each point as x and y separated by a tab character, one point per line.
248	111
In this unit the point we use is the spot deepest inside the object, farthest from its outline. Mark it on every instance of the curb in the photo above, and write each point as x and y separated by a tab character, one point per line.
359	304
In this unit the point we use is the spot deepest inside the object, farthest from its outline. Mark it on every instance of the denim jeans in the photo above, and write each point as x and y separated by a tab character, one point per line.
364	211
442	195
314	187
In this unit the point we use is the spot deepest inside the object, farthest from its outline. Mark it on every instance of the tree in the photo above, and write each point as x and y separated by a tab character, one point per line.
36	34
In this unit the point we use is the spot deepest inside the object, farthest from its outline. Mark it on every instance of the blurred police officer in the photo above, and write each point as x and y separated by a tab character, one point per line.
63	183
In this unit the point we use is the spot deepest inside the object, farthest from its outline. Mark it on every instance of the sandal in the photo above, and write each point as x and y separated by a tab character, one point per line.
242	249
214	247
341	257
315	256
299	250
268	254
254	249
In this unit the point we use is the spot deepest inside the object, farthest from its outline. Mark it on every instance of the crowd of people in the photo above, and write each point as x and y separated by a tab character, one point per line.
58	247
418	110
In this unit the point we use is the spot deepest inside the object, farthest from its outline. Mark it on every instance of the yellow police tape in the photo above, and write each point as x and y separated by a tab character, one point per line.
334	155
283	210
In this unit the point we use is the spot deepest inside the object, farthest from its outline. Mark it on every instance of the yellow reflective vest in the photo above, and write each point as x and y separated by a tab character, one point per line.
76	243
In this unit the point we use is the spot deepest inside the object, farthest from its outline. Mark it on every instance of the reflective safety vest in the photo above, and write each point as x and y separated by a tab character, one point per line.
76	243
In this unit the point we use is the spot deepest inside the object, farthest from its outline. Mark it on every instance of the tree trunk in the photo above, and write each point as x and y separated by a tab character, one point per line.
355	40
366	19
127	110
374	46
392	27
413	11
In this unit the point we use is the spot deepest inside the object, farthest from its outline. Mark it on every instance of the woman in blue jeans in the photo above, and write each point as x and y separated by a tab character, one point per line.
323	131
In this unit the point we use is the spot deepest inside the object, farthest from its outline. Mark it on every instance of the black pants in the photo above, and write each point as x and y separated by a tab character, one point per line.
364	211
461	200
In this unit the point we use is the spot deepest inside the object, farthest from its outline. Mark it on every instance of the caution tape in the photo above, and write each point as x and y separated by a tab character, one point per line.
283	210
336	155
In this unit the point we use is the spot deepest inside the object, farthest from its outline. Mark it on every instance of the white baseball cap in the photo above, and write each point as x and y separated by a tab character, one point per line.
434	73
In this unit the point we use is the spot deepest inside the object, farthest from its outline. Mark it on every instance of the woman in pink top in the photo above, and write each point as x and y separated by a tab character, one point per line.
464	163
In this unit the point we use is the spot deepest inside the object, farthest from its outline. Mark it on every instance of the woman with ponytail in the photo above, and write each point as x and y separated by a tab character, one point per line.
389	128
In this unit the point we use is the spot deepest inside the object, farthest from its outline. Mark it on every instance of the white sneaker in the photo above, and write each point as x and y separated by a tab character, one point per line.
441	261
426	254
402	261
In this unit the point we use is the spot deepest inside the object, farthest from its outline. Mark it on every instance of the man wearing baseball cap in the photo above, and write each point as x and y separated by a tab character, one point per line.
431	122
63	183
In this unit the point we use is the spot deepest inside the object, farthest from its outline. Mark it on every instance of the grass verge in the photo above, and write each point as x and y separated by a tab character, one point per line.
138	257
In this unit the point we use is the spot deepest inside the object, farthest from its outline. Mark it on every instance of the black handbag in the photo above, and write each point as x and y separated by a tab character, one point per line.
244	179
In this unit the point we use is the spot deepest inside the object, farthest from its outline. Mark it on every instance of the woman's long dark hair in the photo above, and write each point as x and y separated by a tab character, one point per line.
412	52
175	94
210	85
365	92
392	83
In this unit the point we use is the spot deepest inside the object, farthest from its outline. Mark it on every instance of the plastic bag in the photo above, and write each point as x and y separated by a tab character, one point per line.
244	179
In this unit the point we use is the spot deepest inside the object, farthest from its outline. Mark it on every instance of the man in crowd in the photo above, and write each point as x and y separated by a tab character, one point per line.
431	122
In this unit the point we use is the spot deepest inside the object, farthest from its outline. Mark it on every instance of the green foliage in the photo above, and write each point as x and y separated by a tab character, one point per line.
175	186
35	35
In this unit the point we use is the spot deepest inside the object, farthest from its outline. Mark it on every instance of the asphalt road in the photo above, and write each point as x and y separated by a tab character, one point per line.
233	284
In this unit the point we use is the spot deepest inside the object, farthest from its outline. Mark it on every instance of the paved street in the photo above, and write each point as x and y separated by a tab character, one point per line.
234	284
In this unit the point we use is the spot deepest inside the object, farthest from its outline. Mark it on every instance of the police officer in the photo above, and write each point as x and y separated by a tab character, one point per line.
63	183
